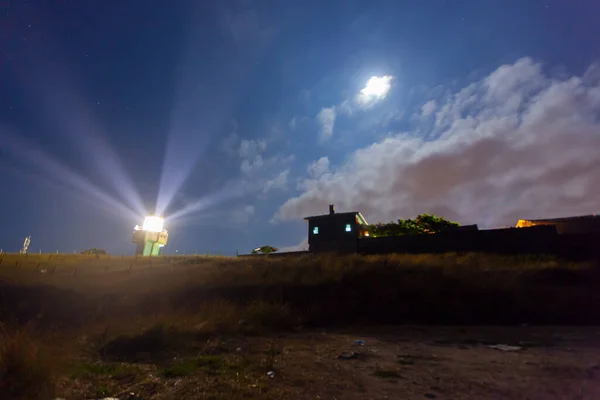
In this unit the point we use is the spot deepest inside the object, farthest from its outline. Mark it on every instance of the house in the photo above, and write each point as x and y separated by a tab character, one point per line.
336	231
570	225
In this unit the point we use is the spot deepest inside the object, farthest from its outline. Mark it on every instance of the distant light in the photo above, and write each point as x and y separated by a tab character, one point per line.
366	233
348	228
153	224
316	230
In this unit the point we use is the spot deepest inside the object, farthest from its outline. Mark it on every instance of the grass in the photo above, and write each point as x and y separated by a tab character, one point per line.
25	370
210	364
122	313
105	369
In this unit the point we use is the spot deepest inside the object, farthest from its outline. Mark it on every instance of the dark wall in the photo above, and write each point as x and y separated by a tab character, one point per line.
534	240
574	226
335	246
332	234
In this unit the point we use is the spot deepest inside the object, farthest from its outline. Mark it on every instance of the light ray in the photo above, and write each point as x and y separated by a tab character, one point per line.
59	96
34	155
228	192
200	111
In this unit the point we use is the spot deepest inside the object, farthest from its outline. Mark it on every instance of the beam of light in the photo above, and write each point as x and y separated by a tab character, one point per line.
228	192
191	128
53	184
204	97
215	217
33	155
62	104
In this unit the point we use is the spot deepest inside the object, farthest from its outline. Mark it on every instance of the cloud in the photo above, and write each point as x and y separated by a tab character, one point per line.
326	118
251	148
279	182
249	151
517	144
375	90
261	172
250	165
318	168
428	108
292	123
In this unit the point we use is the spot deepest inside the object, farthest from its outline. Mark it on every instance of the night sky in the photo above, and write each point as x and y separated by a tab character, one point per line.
236	119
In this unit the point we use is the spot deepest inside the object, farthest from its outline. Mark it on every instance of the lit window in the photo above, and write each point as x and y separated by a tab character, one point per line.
348	228
316	230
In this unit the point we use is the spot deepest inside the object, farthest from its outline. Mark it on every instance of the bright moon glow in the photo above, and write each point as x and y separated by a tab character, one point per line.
153	224
376	89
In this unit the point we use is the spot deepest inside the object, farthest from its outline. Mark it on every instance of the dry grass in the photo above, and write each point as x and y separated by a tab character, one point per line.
129	322
26	372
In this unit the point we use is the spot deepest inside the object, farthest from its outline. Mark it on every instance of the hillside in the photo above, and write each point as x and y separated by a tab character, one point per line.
84	326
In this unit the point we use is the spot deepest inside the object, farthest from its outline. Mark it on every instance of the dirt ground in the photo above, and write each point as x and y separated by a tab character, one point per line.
389	363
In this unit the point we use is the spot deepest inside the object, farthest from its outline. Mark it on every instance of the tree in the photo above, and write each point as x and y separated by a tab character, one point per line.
265	250
95	251
422	224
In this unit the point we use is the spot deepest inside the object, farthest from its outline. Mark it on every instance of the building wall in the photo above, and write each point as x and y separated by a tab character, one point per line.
535	240
332	234
568	226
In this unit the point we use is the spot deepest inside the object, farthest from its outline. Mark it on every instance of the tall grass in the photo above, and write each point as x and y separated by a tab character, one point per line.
152	310
307	290
26	372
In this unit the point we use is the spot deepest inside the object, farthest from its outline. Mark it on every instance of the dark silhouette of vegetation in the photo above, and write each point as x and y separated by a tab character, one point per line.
265	250
422	224
95	251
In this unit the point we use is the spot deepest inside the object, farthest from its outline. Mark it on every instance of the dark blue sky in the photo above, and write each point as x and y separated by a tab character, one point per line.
250	114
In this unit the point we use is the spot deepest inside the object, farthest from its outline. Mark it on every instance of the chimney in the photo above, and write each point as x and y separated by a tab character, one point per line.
331	209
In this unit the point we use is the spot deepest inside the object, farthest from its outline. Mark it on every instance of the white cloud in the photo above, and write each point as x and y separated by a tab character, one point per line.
318	168
375	90
293	123
279	182
517	144
326	119
428	108
251	148
261	171
250	165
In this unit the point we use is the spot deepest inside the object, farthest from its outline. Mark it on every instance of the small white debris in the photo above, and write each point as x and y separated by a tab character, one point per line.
271	374
505	347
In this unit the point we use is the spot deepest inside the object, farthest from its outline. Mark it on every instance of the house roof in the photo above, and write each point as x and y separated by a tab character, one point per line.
353	213
565	219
